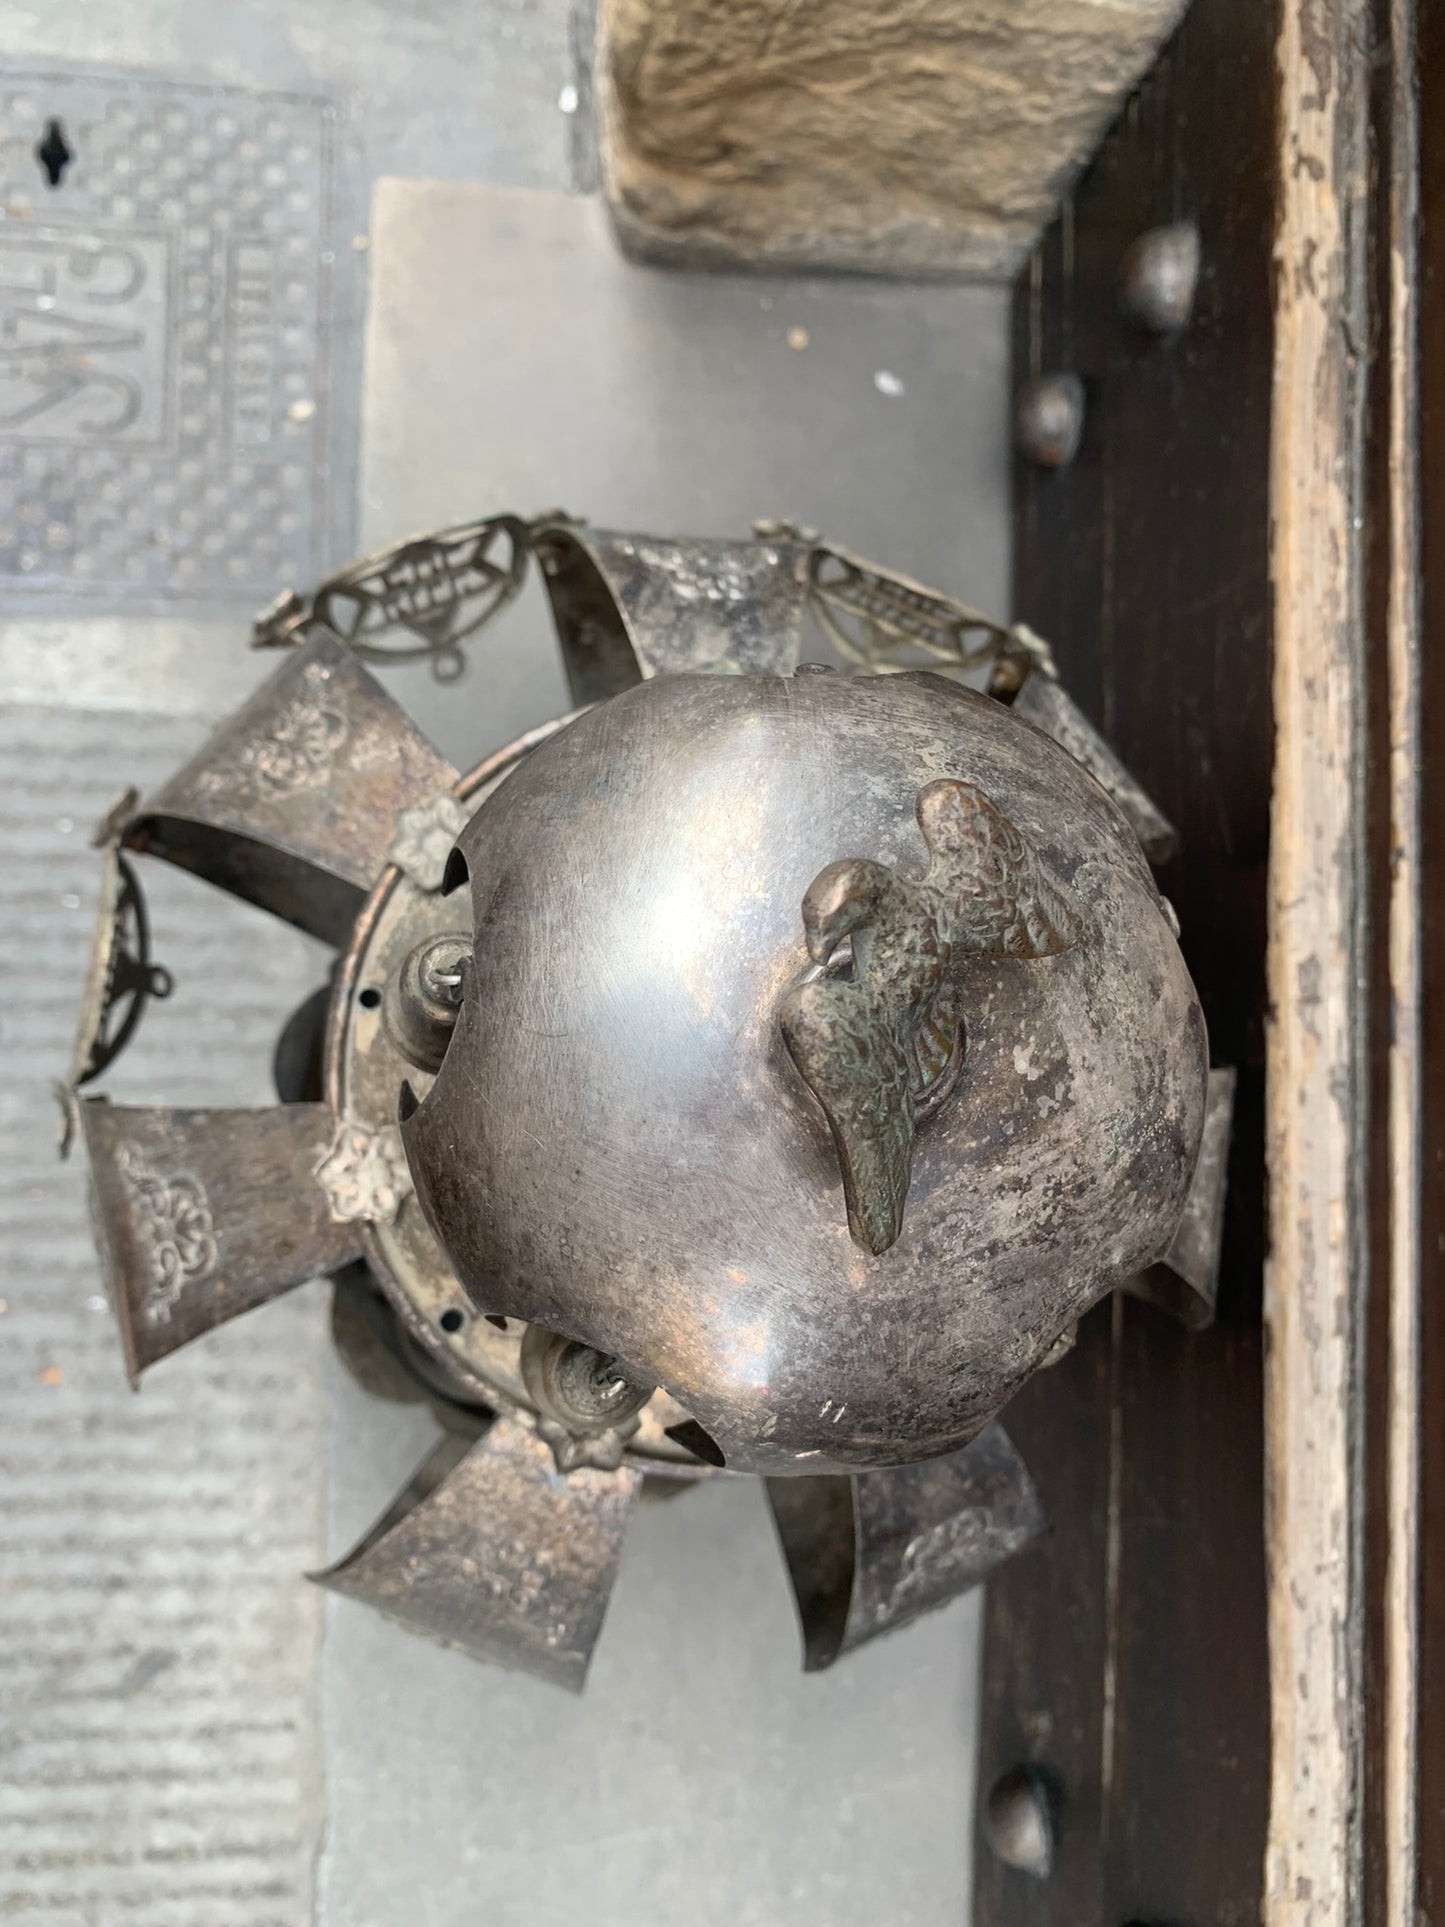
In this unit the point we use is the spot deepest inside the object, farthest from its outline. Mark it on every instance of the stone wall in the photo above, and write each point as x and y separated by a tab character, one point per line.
891	136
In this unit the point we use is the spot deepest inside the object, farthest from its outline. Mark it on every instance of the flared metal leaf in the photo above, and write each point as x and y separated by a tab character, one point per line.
202	1215
632	606
293	803
1185	1282
871	1552
1044	702
490	1550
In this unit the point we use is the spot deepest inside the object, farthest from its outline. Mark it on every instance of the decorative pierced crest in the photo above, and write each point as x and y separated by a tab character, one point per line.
364	1174
420	597
120	978
424	596
888	624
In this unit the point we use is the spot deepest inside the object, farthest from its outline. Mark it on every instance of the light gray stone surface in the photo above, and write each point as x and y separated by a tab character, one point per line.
516	360
159	1758
905	137
442	90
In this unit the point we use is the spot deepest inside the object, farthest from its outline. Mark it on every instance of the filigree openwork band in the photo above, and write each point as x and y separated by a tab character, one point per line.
425	596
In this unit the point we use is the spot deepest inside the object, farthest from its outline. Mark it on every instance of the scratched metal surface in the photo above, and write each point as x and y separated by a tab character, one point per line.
159	1757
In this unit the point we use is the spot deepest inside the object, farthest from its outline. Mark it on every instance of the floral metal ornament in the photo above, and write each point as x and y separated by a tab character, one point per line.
299	751
424	837
364	1175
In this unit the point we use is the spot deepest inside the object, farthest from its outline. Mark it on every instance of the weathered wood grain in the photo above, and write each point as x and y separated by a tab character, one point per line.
1405	752
1290	420
1316	1276
1428	1589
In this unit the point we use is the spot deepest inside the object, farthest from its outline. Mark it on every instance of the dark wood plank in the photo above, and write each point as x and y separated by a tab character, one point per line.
1128	1654
1046	1634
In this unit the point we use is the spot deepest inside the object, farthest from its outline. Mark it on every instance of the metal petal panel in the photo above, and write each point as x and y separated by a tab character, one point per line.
1044	702
202	1215
632	606
490	1550
1185	1282
293	801
872	1552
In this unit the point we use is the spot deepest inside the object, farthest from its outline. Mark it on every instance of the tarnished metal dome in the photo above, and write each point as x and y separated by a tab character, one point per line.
825	1051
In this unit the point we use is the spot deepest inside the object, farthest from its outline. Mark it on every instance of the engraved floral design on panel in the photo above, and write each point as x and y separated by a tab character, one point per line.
297	750
173	1228
425	837
300	749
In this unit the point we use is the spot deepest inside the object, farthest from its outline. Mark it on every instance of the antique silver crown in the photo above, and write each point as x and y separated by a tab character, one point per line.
760	1070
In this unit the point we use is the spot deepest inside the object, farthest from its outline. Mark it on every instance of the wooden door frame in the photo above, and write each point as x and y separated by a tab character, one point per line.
1320	338
1345	1277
